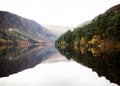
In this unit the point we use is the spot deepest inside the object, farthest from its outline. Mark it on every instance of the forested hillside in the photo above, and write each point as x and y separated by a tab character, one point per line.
101	31
96	44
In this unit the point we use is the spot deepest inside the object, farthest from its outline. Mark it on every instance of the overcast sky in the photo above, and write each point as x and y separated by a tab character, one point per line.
58	12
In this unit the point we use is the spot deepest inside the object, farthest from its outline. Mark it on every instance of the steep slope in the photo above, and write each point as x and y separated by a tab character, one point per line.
14	28
101	31
96	45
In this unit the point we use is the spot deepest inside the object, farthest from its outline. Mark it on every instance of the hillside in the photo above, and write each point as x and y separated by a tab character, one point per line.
103	31
17	30
96	44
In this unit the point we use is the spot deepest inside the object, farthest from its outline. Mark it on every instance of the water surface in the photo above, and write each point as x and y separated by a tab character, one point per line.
45	66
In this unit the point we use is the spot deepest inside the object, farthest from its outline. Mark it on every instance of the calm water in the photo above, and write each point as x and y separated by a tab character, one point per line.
45	66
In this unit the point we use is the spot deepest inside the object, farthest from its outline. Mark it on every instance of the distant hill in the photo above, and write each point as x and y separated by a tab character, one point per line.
84	23
57	30
14	29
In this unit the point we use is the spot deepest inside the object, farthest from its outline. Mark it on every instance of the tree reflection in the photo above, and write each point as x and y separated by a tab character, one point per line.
105	63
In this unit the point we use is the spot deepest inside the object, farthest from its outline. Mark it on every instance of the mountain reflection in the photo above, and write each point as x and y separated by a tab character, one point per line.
104	62
13	60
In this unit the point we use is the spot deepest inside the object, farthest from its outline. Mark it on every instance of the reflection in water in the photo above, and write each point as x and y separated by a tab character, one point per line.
105	63
60	73
13	60
56	74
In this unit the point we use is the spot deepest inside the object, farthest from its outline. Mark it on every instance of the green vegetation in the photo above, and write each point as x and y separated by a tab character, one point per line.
95	45
104	27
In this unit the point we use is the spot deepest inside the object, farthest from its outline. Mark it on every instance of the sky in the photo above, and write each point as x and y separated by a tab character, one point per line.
58	12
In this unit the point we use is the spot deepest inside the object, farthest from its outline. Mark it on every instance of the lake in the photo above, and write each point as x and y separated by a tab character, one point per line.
45	66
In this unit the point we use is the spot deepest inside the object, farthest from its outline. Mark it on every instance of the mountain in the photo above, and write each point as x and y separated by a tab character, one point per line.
117	7
57	30
103	31
96	44
15	29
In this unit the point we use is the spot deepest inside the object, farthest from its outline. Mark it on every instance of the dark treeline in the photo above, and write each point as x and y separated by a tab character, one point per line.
96	44
104	27
104	63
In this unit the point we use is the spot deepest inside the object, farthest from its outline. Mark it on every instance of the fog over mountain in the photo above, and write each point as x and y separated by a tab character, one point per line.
57	30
